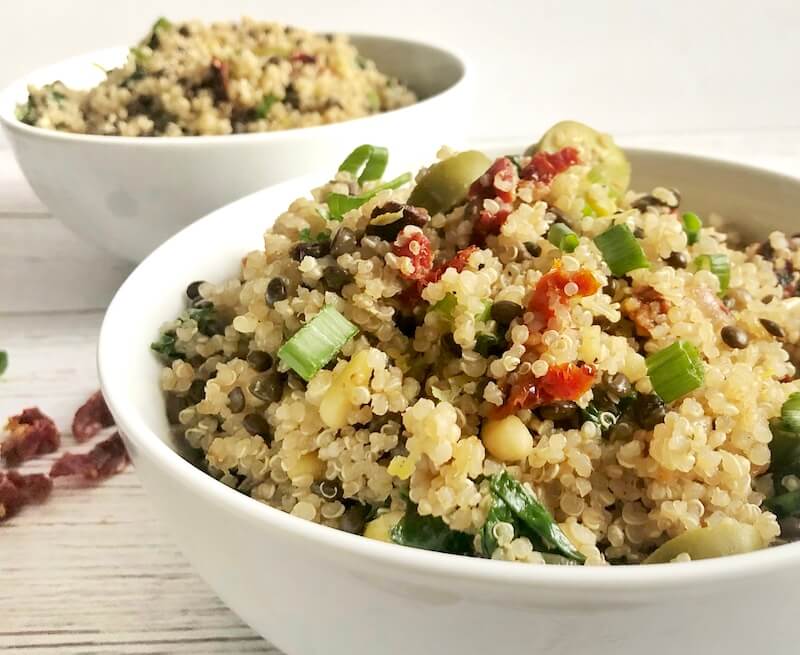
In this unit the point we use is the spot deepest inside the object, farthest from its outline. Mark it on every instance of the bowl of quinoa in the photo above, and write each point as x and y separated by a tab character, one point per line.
504	356
133	127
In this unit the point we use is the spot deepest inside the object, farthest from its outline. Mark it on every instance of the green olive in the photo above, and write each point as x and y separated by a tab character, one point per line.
728	538
446	183
608	162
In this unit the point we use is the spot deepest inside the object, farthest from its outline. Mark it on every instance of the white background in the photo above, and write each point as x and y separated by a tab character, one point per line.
628	67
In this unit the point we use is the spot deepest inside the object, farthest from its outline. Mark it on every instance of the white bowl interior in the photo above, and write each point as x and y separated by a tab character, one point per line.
754	200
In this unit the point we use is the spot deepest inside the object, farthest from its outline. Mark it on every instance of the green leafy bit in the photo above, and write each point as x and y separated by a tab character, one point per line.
692	226
205	317
3	361
165	346
369	160
603	419
784	451
263	107
339	204
719	265
317	342
790	412
321	237
783	505
446	305
161	24
498	513
430	533
524	505
486	313
562	237
621	250
675	370
488	343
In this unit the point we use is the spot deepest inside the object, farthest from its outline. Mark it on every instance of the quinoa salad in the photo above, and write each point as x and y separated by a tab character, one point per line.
191	78
518	359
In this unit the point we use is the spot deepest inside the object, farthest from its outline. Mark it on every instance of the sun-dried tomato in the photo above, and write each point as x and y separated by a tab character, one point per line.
488	223
550	291
17	490
498	182
31	434
105	459
91	417
561	382
544	166
647	308
218	79
303	58
413	244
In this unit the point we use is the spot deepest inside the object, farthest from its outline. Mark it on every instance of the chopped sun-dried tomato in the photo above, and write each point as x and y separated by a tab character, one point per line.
488	223
17	490
105	459
91	417
414	245
550	291
544	166
499	182
30	434
303	58
561	382
412	293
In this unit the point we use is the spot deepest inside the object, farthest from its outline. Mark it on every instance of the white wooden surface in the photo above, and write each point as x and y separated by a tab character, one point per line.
92	571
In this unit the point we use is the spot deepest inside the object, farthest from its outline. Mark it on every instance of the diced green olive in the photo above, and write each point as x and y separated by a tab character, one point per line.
447	182
728	538
608	162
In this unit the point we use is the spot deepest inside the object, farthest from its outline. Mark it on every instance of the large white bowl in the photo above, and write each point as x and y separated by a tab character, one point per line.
313	590
128	194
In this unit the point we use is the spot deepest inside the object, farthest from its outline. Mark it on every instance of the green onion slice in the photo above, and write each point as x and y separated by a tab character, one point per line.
263	107
446	305
562	237
317	342
621	250
783	505
3	361
790	412
370	160
339	204
675	371
719	265
692	226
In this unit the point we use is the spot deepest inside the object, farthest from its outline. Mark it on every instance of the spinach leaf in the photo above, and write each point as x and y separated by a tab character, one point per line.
430	533
165	347
498	513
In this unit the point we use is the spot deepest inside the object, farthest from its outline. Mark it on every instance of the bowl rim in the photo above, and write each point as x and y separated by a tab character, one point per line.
656	577
9	101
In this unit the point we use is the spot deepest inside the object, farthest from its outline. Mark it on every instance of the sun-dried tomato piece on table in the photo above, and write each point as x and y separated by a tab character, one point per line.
104	460
30	434
91	417
18	490
561	382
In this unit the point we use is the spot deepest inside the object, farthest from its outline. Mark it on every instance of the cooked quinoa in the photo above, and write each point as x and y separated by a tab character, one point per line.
192	78
530	363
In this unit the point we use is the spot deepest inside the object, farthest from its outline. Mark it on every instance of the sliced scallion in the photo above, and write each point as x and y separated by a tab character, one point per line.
339	204
370	160
446	305
675	370
263	107
621	250
719	265
790	412
692	226
562	237
317	342
3	361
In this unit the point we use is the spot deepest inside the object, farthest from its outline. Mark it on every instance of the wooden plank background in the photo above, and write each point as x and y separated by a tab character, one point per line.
92	571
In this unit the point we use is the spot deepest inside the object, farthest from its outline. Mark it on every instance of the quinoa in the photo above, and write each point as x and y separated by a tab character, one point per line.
192	78
431	374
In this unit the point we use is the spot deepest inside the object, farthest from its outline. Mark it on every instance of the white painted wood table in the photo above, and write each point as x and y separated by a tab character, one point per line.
92	571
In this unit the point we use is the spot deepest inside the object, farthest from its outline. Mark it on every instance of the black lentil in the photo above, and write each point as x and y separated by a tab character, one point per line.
450	345
268	388
621	431
193	290
406	323
336	277
315	249
678	259
175	405
258	426
344	242
638	232
734	337
617	384
768	299
354	518
259	360
772	327
276	290
649	410
559	410
534	249
201	303
197	391
390	219
236	400
505	311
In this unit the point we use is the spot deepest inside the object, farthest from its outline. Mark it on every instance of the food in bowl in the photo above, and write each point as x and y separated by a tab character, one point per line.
518	359
192	78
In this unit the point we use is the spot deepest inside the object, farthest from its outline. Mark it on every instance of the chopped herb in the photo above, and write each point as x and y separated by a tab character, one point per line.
499	512
206	319
790	412
263	107
446	305
165	347
373	100
621	250
675	370
27	113
317	342
161	24
369	161
692	226
603	419
784	452
324	212
339	204
321	237
488	344
3	361
562	237
430	533
719	265
486	313
783	505
533	514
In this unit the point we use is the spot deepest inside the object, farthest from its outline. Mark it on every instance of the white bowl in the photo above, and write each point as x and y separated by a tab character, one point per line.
311	589
128	194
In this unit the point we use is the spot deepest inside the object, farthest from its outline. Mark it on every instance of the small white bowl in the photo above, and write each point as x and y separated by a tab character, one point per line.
128	194
311	589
